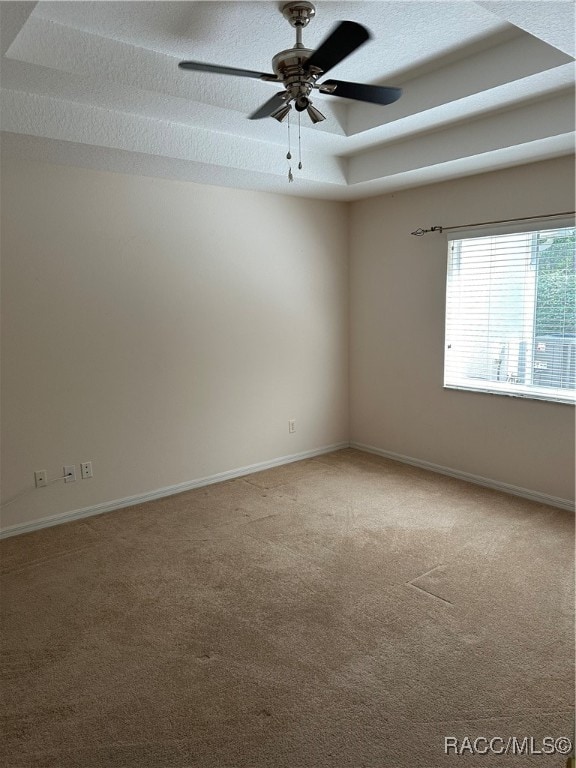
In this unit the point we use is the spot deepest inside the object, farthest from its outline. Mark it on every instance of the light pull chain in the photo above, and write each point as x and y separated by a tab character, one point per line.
289	153
299	145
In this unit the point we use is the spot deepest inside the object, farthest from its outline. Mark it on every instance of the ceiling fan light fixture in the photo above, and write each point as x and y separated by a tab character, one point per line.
314	114
282	112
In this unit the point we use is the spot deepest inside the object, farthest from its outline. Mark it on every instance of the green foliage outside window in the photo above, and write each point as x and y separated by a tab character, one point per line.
556	285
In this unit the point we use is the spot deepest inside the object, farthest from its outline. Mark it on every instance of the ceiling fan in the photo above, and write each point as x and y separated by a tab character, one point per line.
298	69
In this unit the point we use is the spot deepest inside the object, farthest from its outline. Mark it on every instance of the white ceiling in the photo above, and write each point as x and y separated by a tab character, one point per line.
96	84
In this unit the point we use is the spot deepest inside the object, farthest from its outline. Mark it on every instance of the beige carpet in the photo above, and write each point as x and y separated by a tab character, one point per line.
340	611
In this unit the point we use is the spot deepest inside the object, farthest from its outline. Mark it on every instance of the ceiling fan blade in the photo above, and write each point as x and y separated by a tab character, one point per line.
270	106
376	94
200	66
344	40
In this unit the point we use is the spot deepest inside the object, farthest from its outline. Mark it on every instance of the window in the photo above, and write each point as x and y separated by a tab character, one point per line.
511	314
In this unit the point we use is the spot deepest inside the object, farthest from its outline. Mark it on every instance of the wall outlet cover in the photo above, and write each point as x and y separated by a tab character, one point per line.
70	473
86	469
41	478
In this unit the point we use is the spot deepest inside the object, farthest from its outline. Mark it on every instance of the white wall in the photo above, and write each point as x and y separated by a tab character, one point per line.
397	335
164	331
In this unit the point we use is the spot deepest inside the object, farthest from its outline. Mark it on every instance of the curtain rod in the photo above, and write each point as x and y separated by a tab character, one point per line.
420	232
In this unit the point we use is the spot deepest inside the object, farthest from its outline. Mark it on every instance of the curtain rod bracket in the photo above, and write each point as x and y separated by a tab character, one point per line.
420	232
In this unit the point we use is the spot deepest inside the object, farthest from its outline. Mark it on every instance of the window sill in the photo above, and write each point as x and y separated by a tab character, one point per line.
520	391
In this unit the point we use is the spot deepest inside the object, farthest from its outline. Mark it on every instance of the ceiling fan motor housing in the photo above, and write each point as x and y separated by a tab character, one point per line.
289	66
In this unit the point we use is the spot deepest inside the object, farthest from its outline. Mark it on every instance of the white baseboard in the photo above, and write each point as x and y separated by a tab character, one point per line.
130	501
514	490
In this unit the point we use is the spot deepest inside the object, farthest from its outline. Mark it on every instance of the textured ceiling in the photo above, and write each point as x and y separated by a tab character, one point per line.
486	85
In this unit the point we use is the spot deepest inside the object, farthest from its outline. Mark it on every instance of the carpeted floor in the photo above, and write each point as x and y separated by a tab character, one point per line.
341	612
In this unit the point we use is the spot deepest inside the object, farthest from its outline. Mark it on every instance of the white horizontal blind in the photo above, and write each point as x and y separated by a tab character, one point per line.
510	314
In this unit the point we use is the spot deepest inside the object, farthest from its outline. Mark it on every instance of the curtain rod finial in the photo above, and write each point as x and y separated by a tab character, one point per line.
420	232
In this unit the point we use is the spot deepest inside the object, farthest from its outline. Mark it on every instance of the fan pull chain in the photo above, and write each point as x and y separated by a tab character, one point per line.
299	145
289	154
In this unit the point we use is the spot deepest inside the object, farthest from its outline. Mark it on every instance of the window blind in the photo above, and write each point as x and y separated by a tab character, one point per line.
511	313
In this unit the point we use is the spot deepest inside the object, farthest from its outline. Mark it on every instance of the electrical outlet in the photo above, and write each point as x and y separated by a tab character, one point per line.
41	478
86	469
291	425
70	474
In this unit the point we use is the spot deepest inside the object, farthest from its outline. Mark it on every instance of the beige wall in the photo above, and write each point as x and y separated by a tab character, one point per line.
397	335
167	331
164	331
